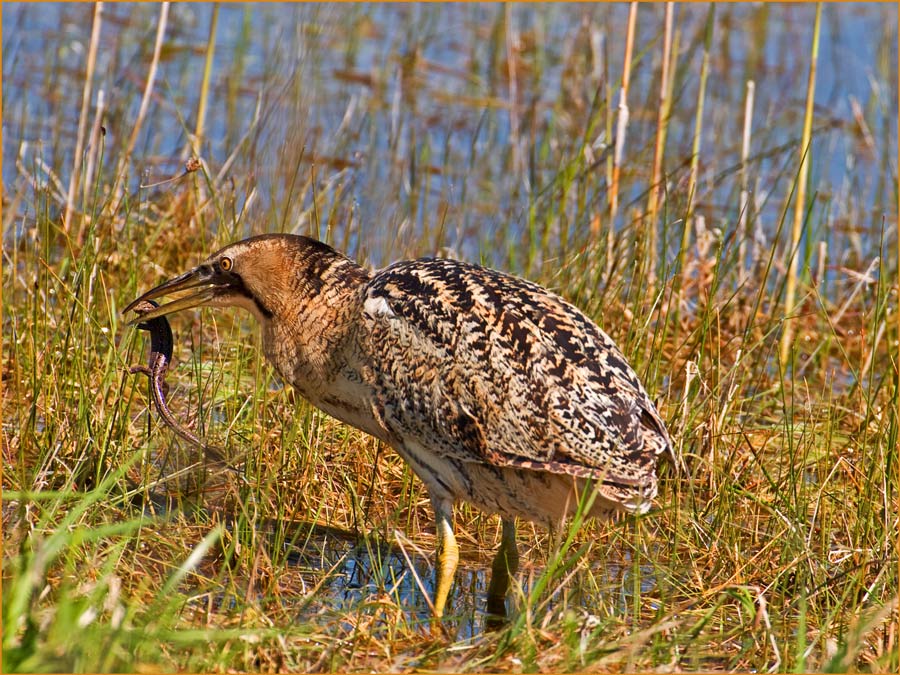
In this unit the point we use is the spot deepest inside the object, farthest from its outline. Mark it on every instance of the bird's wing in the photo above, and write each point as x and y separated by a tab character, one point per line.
485	367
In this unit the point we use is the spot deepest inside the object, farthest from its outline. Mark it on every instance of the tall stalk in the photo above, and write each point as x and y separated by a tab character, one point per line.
787	336
698	132
695	167
145	100
194	143
83	118
662	125
745	223
622	117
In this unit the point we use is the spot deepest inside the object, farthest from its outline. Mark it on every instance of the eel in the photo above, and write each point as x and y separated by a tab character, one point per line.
161	346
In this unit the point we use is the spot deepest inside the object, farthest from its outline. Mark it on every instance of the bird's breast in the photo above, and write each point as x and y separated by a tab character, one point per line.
328	373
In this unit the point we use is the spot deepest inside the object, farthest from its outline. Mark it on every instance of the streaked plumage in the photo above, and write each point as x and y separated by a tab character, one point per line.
495	390
487	369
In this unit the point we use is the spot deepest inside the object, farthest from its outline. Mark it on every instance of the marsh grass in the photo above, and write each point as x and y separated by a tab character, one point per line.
484	133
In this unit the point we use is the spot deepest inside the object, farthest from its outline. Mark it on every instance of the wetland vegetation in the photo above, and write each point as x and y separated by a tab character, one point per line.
716	185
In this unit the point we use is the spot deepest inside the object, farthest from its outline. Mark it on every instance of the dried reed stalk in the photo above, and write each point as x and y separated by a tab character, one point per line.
662	124
745	223
75	178
787	336
145	102
622	118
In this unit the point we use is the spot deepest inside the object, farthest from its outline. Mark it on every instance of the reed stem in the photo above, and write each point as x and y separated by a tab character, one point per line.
787	336
662	123
145	102
622	118
698	132
75	178
193	148
745	223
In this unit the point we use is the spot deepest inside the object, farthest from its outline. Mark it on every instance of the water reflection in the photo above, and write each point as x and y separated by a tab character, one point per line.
357	574
352	575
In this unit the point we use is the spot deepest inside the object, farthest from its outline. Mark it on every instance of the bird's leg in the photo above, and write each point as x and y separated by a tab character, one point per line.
447	554
504	567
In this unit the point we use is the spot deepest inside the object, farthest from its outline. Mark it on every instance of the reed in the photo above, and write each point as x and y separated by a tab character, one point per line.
698	132
90	65
145	99
662	123
745	219
622	113
800	205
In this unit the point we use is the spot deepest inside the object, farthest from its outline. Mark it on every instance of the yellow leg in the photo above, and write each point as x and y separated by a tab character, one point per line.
447	554
504	567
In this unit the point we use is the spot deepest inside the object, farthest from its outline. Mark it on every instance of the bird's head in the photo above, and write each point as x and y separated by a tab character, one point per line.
261	274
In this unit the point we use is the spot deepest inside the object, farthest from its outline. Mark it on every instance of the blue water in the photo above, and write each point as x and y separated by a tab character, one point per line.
446	107
361	575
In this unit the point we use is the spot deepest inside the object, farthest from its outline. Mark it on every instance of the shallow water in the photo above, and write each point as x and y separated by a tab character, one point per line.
357	573
337	578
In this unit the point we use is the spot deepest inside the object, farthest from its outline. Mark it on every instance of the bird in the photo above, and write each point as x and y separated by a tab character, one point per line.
496	391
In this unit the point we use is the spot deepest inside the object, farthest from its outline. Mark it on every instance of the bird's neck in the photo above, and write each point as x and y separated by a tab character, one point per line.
316	351
308	337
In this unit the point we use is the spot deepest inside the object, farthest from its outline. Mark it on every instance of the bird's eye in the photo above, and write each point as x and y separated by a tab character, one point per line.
226	264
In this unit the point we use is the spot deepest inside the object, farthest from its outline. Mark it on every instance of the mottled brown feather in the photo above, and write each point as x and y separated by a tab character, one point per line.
483	367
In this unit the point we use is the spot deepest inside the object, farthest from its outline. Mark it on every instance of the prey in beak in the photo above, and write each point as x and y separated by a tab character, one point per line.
248	274
210	283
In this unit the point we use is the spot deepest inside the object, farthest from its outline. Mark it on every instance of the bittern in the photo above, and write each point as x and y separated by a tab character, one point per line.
494	390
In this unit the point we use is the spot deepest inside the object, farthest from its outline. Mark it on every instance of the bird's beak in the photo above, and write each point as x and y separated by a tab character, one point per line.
206	282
